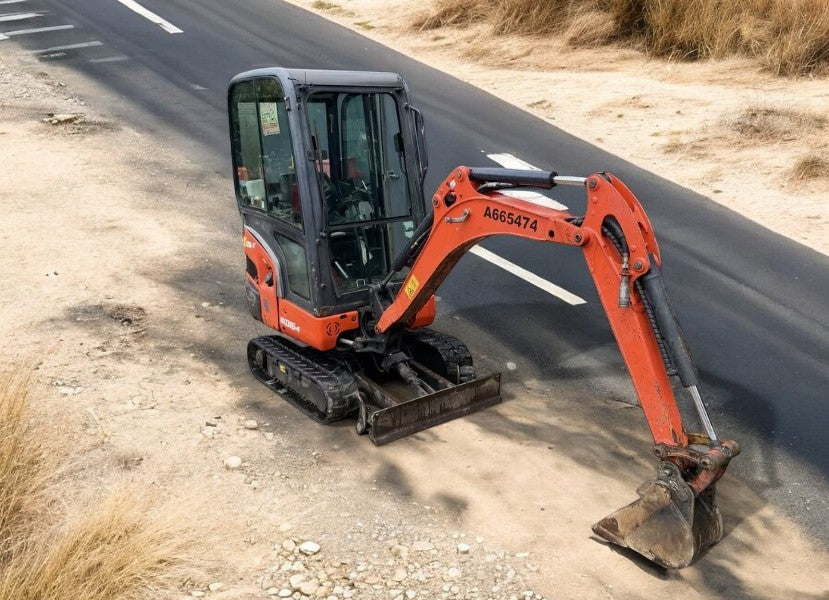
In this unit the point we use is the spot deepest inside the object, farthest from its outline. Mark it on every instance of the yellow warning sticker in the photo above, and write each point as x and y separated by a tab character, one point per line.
411	286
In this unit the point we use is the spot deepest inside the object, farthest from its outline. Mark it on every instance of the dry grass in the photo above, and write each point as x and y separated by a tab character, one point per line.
788	37
769	124
118	549
810	167
28	463
451	13
325	5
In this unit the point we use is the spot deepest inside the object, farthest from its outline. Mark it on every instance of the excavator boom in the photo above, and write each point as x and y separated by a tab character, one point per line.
676	516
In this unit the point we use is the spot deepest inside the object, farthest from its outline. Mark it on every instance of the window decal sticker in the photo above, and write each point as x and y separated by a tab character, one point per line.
269	118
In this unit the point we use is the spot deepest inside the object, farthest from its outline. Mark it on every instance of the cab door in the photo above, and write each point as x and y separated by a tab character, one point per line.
267	191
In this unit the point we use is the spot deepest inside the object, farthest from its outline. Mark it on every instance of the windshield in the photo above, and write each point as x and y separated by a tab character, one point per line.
359	156
358	153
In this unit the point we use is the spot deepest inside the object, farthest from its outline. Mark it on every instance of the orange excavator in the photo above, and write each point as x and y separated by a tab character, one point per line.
344	254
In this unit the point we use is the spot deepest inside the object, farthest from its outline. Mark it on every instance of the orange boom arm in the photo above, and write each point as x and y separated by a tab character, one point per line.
675	516
463	216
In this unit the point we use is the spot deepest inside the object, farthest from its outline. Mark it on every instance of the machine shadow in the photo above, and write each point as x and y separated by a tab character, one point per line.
561	385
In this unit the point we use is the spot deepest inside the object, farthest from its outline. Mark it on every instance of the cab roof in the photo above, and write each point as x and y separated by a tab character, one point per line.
328	78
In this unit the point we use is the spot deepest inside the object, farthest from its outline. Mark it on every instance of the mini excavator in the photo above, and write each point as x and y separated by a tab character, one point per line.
344	254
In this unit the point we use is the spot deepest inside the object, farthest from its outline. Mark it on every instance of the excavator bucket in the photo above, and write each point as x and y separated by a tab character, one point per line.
670	524
405	418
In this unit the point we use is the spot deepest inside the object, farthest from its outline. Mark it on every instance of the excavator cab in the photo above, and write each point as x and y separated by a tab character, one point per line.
328	169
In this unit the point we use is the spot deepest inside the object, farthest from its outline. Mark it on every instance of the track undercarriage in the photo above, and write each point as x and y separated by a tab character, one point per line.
430	380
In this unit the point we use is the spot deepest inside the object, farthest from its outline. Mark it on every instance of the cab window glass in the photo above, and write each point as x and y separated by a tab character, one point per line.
247	146
359	156
263	154
296	266
281	192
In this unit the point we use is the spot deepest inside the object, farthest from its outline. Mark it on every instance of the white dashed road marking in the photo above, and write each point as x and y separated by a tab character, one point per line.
108	59
150	16
540	283
508	161
36	30
69	47
18	16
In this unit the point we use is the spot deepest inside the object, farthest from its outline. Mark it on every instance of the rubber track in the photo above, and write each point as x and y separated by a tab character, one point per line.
330	375
454	352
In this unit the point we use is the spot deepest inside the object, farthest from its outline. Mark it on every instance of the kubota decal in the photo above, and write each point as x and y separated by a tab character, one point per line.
285	322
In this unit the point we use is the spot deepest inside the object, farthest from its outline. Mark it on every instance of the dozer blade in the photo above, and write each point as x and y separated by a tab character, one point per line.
669	524
411	416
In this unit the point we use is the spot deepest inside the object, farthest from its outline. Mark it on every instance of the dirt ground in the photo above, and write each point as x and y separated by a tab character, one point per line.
725	130
125	292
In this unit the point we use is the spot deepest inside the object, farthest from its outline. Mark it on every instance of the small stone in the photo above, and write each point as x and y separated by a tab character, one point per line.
463	548
522	554
215	586
251	424
285	527
205	304
197	593
232	463
399	574
289	545
285	593
310	548
411	594
296	580
272	591
511	366
309	587
453	573
61	119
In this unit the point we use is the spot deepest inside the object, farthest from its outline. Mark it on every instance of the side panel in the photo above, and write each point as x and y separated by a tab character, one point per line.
263	276
318	332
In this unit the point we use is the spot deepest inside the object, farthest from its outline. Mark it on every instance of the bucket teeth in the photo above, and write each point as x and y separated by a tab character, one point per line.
669	524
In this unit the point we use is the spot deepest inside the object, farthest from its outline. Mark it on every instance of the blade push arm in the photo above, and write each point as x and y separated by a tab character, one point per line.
619	246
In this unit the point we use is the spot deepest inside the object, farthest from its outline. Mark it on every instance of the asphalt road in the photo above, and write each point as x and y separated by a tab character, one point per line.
755	305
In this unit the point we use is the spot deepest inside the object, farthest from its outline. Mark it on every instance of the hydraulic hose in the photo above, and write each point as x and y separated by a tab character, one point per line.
670	338
612	230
